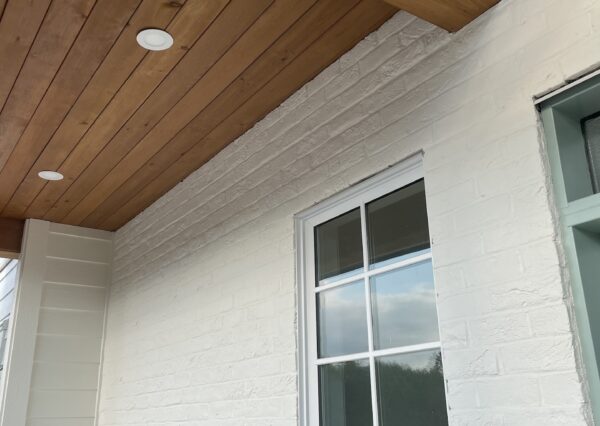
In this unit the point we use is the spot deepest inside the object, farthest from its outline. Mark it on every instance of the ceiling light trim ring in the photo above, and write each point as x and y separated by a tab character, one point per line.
154	39
50	175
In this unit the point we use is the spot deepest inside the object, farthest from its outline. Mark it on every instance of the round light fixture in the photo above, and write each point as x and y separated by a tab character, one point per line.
154	39
50	175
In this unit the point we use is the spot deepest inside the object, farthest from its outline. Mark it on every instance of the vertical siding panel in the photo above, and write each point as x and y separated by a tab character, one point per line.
68	303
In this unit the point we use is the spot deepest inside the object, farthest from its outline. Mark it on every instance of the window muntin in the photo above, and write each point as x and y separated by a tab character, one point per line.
400	270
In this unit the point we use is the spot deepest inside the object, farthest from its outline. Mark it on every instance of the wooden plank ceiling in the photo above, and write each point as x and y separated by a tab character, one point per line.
125	125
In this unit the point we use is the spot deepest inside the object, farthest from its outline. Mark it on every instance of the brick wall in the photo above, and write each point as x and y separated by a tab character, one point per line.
201	324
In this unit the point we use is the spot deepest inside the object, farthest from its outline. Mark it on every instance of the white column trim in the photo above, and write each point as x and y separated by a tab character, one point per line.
24	325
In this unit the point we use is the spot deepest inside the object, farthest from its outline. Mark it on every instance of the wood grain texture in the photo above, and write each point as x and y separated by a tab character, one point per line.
18	27
295	41
451	15
144	102
11	234
124	125
335	42
254	56
59	29
96	38
116	68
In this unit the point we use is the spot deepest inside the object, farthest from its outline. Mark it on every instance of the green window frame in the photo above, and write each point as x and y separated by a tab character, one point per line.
578	204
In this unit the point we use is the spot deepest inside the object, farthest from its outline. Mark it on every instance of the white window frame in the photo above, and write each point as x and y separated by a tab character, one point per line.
386	182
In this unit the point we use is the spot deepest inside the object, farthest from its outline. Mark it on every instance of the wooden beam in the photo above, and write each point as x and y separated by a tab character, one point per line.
450	15
11	234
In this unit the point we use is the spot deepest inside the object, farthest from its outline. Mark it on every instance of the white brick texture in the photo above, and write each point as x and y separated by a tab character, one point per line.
202	314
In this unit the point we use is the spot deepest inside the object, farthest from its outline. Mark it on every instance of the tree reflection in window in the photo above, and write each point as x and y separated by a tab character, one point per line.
410	388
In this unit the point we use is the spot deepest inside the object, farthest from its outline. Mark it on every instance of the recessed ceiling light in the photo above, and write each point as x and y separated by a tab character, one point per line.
50	175
154	39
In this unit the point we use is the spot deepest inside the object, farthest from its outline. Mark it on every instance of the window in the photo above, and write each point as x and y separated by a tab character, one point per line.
571	120
3	338
370	346
591	133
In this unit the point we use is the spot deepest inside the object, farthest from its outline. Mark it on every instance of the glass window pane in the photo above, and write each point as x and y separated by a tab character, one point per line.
591	130
397	224
342	320
345	394
338	246
403	307
411	389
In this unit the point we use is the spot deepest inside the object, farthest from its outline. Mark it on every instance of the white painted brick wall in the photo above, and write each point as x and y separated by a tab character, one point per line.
201	326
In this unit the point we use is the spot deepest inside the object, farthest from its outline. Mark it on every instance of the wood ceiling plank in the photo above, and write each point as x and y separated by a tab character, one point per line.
298	38
118	65
18	27
258	42
121	141
59	29
98	35
210	36
354	26
451	15
270	25
11	234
